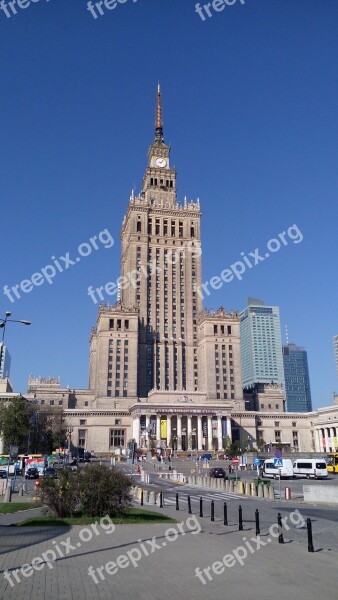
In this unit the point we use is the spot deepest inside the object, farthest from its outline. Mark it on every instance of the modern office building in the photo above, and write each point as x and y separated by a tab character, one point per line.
5	361
297	380
335	347
261	346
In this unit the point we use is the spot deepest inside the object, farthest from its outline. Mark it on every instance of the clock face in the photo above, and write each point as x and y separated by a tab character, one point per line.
161	162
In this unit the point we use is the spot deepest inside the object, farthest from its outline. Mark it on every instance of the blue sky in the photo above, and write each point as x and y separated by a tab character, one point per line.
249	98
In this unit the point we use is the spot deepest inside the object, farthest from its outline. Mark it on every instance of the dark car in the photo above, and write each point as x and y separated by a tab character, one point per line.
50	472
218	473
3	474
32	473
206	456
73	466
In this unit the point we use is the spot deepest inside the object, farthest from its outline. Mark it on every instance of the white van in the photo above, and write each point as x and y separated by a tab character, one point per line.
283	467
310	467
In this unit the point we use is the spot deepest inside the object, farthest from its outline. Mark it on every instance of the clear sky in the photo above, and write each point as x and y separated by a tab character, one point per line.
250	109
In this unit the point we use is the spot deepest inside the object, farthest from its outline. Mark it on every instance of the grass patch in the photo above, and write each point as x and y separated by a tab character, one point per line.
13	507
131	516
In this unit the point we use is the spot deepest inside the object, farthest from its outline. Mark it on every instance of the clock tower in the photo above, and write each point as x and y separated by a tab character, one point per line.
159	181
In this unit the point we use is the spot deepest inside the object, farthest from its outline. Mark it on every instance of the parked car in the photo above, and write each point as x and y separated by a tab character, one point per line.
3	474
32	473
73	466
50	472
218	473
206	456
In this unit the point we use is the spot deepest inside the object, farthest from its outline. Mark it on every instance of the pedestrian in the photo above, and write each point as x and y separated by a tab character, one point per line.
230	469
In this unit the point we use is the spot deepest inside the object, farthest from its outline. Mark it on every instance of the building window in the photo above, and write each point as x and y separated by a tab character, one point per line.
277	436
117	437
83	422
82	438
111	324
118	421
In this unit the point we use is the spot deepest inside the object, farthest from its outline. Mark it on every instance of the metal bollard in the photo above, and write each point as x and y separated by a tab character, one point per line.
280	526
225	514
240	518
177	504
161	500
310	547
189	506
257	522
141	497
212	510
201	507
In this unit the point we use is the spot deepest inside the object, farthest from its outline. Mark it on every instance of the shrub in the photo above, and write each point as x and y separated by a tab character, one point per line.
95	491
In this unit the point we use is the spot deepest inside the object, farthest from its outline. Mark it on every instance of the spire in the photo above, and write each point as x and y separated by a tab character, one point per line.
159	121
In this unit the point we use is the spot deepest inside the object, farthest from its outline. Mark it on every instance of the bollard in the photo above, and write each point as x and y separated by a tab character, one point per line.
257	521
310	547
177	504
260	491
225	514
8	492
287	493
201	507
161	500
189	506
271	492
247	488
146	496
212	510
152	498
227	482
142	497
240	518
280	526
21	491
253	489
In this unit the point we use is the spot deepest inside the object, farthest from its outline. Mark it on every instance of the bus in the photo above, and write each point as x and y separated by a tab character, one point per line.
332	462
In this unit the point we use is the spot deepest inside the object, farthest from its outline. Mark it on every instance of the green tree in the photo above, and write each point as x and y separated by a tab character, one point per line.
15	420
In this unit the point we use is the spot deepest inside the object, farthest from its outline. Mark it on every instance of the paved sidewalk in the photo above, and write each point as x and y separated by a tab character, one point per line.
274	570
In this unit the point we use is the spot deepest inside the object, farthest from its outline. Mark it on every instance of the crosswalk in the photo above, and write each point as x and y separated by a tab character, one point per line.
195	495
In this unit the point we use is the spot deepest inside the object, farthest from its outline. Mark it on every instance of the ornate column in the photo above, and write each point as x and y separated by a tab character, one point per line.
326	440
199	432
189	432
158	428
209	433
229	433
219	433
332	441
136	430
147	434
179	432
168	429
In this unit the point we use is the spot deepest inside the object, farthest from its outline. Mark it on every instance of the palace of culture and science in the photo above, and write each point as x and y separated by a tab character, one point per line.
162	369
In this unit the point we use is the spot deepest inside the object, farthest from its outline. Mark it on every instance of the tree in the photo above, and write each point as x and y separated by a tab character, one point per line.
48	429
15	418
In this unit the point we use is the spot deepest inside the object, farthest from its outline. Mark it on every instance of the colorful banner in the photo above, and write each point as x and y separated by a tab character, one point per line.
143	423
224	428
335	442
163	429
153	426
205	428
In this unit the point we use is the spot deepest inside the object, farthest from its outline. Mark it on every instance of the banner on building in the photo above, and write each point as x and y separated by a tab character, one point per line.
163	429
205	428
335	442
224	428
143	423
153	426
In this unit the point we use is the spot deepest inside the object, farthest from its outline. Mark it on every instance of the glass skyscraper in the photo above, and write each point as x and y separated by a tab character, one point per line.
5	361
297	381
261	345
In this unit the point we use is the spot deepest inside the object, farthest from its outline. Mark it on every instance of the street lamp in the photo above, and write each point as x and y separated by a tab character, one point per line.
70	431
3	323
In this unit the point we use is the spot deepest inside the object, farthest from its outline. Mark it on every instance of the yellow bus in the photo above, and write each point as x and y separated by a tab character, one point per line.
332	462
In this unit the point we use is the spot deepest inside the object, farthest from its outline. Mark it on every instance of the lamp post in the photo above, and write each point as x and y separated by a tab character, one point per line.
3	323
70	431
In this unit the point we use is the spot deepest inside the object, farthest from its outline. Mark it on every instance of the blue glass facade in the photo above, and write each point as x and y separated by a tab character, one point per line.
297	381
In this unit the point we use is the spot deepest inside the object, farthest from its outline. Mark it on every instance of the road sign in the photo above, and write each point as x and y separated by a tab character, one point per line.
257	461
235	461
278	453
278	462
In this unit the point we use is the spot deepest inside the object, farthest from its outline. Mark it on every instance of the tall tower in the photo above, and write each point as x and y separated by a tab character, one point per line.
161	255
261	346
297	380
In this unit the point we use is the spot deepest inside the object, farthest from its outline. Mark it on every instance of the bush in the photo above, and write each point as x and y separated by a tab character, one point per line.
95	491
